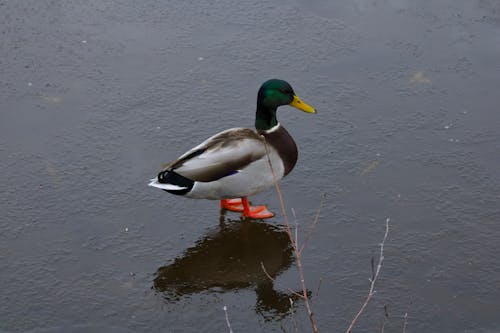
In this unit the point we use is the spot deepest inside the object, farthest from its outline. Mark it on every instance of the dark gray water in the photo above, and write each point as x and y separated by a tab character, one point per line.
95	96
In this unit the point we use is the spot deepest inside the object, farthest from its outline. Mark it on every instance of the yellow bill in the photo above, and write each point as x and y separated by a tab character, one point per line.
299	104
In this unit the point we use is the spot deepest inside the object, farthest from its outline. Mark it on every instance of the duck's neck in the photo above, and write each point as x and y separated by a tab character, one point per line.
265	117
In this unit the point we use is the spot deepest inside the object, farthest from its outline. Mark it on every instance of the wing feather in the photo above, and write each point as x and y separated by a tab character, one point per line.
220	155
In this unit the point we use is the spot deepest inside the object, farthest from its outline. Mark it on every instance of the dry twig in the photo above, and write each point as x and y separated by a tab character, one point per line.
227	319
319	286
373	279
293	317
386	315
293	240
405	322
273	280
315	221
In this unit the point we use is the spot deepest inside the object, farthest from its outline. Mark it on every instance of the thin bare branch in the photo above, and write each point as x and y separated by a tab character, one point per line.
296	226
273	280
294	245
313	225
386	315
227	319
371	292
405	317
319	285
405	322
292	316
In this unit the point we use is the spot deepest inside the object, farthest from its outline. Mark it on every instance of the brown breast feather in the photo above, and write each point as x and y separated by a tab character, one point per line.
283	142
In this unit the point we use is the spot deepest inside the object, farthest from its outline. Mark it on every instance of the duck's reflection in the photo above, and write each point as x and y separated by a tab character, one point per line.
230	258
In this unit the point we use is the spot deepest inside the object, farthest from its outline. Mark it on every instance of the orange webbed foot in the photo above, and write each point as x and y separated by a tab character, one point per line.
234	205
255	212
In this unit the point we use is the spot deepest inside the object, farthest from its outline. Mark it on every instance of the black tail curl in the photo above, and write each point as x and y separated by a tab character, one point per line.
172	177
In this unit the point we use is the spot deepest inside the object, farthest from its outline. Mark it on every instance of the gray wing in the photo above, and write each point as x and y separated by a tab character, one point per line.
221	155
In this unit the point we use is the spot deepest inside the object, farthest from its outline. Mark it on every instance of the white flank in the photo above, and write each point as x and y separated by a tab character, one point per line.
172	187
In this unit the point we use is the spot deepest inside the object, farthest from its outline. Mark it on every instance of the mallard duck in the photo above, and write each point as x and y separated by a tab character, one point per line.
236	163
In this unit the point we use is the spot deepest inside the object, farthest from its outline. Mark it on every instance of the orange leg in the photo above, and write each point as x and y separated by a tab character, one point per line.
234	205
255	212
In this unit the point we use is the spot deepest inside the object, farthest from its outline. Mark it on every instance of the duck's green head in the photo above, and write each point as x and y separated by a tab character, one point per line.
274	93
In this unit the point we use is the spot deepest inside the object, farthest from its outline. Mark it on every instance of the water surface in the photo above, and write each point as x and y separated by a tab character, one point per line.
95	96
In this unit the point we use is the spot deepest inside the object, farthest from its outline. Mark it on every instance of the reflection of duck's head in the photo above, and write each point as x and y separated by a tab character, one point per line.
228	259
